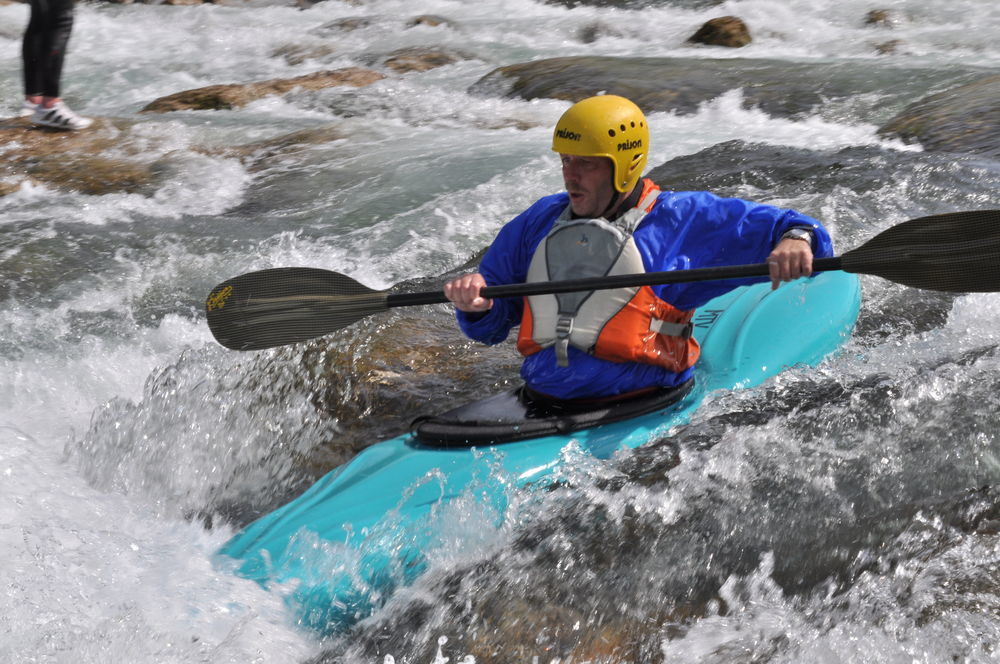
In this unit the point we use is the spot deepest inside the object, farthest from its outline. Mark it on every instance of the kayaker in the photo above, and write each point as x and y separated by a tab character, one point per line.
610	220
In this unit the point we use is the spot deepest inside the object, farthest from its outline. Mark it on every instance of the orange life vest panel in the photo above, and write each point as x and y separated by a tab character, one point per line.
619	325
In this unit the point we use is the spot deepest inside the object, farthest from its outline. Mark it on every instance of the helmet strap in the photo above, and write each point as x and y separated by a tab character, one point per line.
628	201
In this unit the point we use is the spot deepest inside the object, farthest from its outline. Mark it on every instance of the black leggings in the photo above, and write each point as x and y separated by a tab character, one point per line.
45	46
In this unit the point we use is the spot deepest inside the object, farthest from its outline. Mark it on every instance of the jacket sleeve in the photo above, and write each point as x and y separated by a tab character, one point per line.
699	229
506	262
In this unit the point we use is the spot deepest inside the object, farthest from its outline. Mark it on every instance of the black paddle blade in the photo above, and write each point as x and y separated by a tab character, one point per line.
286	305
957	252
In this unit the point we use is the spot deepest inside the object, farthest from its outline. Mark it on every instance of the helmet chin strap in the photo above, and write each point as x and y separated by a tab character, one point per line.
616	197
624	201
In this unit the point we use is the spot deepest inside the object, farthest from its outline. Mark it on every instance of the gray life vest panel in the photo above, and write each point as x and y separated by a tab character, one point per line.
579	249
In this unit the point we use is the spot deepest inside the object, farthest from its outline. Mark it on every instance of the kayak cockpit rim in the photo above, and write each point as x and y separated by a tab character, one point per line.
519	414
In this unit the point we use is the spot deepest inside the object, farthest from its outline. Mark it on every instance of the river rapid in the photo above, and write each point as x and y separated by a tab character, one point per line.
846	513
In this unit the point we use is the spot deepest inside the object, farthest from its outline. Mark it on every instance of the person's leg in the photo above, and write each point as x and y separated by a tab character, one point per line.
56	24
32	49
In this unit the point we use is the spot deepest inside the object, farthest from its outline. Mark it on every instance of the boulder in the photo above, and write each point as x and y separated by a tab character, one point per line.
591	32
418	58
69	161
890	47
729	31
636	4
346	24
881	18
430	20
262	154
296	54
963	119
227	96
680	85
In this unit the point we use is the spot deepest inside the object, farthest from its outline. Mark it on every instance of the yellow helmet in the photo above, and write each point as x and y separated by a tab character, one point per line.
606	126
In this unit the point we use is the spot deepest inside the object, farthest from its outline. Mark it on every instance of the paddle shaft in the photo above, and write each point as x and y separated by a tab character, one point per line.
603	283
954	252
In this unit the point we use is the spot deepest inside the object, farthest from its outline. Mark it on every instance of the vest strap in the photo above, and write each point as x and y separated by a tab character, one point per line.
564	327
682	330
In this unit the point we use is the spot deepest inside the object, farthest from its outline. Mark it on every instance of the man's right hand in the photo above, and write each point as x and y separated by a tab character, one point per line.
464	293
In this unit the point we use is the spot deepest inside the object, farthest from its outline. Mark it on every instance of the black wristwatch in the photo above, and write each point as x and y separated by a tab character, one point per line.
798	234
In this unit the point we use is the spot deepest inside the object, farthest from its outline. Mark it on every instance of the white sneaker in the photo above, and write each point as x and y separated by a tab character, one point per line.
27	108
59	117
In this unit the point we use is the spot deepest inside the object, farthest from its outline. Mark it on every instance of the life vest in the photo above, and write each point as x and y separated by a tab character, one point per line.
620	325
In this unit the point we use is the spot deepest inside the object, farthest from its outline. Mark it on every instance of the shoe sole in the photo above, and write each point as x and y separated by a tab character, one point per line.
55	125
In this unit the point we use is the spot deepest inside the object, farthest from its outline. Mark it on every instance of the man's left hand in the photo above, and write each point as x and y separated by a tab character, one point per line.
790	260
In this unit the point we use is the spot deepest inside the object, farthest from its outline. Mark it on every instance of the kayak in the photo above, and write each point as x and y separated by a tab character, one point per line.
340	550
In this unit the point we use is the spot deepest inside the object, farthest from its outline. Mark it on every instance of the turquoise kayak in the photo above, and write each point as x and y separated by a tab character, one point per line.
342	548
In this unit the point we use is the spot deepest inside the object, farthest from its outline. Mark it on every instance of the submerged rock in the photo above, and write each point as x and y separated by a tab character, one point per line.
262	154
963	119
346	24
296	54
227	96
637	4
592	32
377	376
890	47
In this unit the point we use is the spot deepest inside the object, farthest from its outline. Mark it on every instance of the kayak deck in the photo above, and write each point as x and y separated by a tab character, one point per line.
515	415
367	527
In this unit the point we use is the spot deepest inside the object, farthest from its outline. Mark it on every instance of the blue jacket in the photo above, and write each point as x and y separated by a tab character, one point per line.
684	230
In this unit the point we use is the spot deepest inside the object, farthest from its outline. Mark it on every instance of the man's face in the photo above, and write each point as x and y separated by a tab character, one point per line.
588	181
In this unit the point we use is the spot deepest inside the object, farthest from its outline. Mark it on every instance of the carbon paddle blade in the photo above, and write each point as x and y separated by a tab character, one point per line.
957	252
286	305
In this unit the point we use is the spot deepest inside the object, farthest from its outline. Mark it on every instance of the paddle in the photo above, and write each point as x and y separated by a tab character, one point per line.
954	252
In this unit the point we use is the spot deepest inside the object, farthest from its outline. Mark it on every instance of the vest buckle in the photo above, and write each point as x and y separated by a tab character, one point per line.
564	326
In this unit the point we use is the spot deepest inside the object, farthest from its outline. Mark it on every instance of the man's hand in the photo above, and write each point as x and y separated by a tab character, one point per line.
790	260
464	292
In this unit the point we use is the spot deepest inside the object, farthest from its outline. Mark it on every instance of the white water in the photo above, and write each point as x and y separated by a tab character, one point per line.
99	562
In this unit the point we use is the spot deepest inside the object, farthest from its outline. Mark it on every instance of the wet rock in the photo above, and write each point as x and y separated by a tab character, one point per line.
381	373
430	20
296	54
680	85
963	119
262	154
217	97
729	31
560	595
594	31
68	161
881	18
890	47
347	24
731	167
352	23
419	58
637	4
